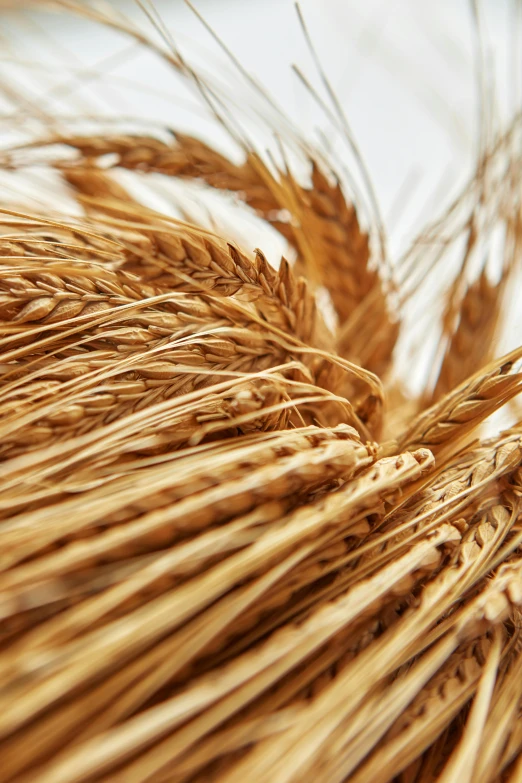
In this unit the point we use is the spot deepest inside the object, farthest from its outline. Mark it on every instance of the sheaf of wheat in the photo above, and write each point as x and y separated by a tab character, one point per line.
233	546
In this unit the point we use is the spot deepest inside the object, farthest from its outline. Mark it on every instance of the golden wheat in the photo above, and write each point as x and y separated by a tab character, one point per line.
214	565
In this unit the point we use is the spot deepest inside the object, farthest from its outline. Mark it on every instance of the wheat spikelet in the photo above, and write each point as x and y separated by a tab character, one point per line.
186	157
479	313
429	714
462	409
321	220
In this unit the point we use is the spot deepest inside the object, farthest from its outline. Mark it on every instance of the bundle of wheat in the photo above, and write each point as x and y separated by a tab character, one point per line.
232	548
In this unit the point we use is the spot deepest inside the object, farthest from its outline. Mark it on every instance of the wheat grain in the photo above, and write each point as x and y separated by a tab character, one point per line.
443	426
322	223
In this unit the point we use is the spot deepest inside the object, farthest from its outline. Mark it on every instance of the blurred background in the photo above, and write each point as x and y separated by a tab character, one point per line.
405	72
